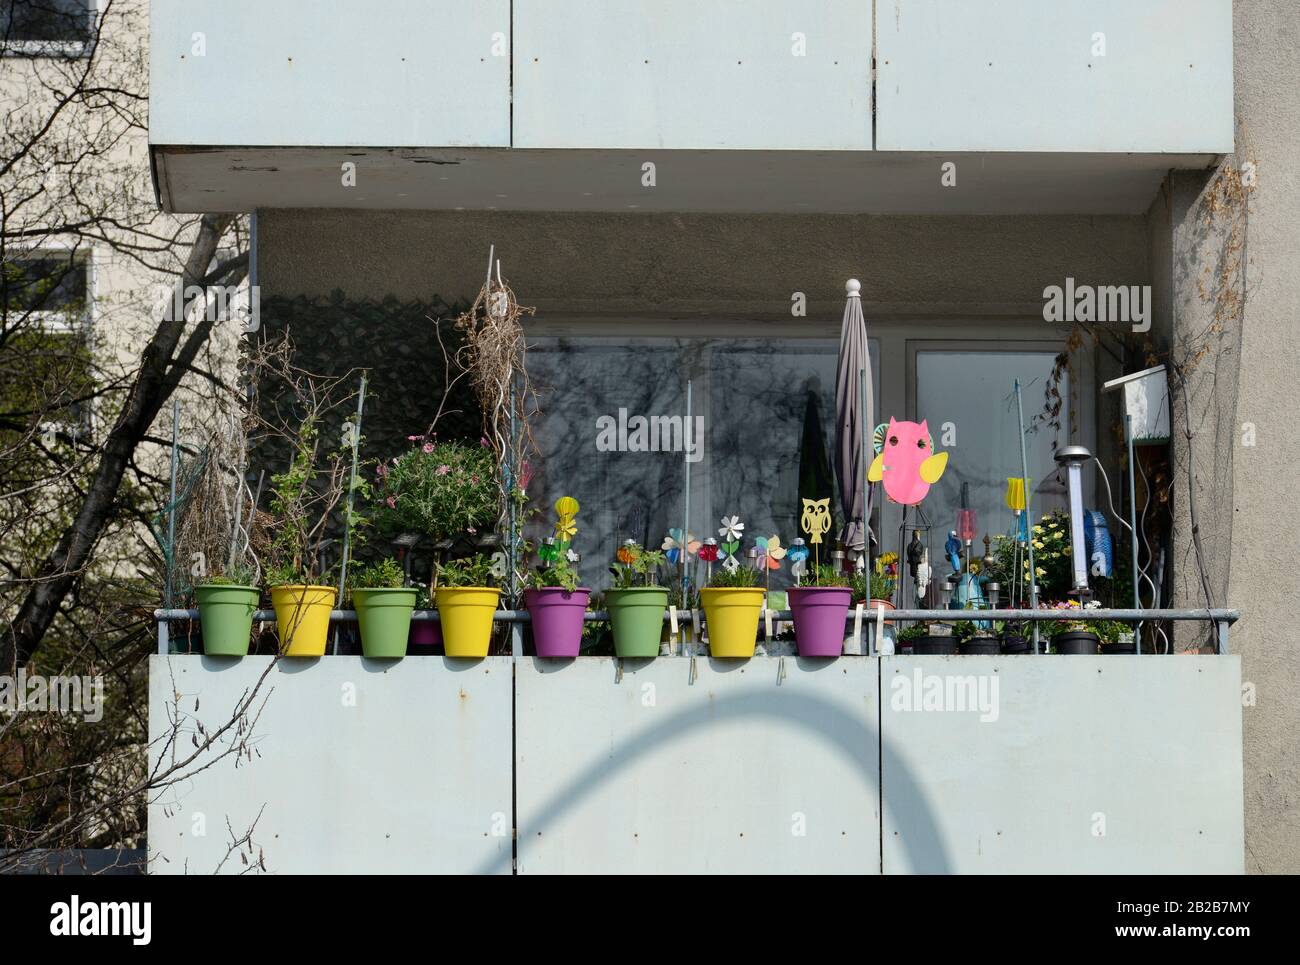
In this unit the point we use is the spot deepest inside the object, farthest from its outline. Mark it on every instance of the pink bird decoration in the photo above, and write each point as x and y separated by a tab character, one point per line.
907	462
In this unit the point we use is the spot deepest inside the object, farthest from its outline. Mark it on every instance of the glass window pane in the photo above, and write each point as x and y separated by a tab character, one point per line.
765	408
975	392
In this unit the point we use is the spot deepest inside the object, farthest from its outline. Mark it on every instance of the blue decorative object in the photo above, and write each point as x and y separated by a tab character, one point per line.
1096	536
952	549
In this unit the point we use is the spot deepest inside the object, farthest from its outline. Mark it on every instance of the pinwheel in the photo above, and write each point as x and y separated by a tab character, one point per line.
674	543
566	512
731	532
770	552
732	529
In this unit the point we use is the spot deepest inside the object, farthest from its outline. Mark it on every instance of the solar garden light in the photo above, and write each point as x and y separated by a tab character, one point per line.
993	592
1071	459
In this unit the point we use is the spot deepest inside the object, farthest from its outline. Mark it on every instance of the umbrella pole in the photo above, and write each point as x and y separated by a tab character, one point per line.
1029	518
863	467
686	512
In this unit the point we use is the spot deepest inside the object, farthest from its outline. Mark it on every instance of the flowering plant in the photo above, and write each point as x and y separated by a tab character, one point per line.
437	489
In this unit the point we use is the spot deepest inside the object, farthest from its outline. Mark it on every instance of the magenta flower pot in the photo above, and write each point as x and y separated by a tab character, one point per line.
557	619
819	614
425	638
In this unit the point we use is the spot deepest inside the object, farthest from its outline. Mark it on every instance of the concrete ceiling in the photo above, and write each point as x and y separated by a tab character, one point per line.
199	179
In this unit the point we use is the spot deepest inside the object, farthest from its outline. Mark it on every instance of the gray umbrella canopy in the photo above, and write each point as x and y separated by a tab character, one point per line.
853	419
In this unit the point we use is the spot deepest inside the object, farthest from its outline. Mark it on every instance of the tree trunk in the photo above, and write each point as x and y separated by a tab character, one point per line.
153	385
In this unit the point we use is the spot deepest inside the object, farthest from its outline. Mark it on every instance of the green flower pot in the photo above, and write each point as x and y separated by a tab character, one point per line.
226	612
636	616
385	618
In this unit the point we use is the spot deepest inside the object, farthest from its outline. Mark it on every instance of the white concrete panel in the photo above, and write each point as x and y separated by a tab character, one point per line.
738	772
1021	75
358	766
685	74
401	73
1116	764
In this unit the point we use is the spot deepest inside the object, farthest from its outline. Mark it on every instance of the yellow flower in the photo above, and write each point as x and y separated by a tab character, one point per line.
1041	571
1038	529
1038	544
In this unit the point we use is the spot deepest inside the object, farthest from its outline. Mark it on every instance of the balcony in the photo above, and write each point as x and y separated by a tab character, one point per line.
691	764
1078	106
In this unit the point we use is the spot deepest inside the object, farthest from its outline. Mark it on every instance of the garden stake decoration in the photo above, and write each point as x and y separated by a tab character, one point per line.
816	522
798	557
731	532
708	556
566	527
770	555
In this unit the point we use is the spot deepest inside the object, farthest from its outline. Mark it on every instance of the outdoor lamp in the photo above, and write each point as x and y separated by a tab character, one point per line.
993	591
1071	459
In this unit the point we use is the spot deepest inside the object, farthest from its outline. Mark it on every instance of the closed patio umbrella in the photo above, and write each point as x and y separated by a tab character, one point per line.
853	419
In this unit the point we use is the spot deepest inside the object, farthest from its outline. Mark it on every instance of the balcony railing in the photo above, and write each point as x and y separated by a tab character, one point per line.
1219	619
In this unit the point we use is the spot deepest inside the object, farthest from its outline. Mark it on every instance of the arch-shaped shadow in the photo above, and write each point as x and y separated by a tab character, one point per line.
814	716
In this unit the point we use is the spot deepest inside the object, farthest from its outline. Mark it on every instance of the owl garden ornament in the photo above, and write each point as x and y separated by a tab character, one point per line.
906	461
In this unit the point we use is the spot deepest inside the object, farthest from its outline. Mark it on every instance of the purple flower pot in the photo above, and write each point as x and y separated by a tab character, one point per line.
557	619
425	638
819	615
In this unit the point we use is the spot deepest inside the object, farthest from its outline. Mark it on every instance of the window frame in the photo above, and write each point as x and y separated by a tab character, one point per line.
896	339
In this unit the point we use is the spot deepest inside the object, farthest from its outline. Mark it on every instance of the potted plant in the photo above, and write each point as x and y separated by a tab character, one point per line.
882	580
907	637
1072	636
820	608
733	603
227	602
426	635
467	601
1116	637
938	639
635	604
556	604
300	507
384	605
1013	639
975	639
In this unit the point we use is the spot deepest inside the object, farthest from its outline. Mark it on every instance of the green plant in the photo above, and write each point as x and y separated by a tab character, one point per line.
633	561
881	586
438	489
241	574
740	577
914	632
386	574
827	574
558	573
476	570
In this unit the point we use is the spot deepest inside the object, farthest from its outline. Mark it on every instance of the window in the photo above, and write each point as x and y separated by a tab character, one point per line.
43	28
52	287
971	391
765	408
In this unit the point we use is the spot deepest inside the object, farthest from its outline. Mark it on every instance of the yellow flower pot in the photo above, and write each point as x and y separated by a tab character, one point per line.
466	613
302	614
732	614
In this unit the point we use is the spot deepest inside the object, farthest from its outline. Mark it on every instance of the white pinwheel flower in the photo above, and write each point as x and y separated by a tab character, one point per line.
732	528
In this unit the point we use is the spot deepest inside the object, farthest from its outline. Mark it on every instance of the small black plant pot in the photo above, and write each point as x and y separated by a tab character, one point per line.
934	645
987	646
1076	642
1015	643
1130	647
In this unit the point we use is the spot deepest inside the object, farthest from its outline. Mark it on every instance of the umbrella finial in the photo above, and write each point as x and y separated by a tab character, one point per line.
853	288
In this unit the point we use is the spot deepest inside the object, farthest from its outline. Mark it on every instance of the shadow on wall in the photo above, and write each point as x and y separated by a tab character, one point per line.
925	849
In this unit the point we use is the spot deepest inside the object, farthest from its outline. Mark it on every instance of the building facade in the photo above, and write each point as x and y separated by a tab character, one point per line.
1058	195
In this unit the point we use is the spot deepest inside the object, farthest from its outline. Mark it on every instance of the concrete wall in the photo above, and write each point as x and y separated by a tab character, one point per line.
1266	487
